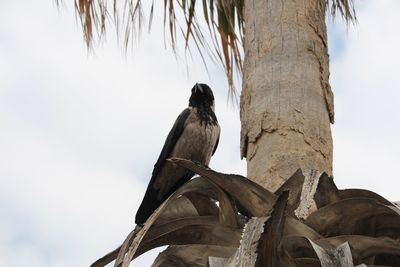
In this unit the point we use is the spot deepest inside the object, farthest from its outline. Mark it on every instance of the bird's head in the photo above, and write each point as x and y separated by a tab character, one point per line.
202	96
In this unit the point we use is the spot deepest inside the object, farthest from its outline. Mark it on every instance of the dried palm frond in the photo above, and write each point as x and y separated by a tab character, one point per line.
177	229
194	255
349	227
344	7
223	20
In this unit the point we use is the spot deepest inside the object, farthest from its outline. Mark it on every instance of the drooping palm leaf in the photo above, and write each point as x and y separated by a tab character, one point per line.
269	242
257	201
363	219
224	20
194	255
338	219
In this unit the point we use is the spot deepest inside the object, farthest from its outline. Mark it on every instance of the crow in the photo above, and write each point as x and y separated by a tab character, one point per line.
194	136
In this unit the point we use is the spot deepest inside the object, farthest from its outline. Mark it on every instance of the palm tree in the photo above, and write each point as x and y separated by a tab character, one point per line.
286	101
286	106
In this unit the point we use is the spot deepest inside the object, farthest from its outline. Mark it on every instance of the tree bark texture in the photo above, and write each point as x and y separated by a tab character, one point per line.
286	102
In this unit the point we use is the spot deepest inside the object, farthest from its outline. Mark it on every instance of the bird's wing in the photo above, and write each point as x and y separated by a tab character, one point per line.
216	144
171	140
151	199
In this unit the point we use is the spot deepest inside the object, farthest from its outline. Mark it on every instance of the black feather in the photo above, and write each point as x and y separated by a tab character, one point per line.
171	140
150	200
182	141
216	145
202	98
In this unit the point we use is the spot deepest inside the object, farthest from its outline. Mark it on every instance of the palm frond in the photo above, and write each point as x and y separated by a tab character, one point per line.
225	26
253	227
223	18
344	7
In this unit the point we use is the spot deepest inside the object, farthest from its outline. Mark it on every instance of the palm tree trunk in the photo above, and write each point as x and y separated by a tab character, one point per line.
286	102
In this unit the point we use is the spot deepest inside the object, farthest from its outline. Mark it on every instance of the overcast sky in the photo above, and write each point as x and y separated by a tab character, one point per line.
79	132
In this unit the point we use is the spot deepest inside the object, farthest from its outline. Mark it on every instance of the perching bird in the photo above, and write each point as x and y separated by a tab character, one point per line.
194	136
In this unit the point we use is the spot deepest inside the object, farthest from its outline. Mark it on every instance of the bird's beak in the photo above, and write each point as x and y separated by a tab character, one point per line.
198	87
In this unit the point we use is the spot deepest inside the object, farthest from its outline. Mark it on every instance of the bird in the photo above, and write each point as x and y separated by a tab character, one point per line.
194	136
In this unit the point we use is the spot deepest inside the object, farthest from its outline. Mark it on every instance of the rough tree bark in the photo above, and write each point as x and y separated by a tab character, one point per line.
286	102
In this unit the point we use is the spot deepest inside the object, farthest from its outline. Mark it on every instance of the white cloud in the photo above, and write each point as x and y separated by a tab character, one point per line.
79	133
60	200
365	81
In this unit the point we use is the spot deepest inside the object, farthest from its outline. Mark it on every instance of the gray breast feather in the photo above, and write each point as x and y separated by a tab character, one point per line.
196	143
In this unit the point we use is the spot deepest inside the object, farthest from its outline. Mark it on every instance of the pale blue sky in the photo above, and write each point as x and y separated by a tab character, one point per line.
79	132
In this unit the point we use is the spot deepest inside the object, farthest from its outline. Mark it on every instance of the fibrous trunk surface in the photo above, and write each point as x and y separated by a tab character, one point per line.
286	101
